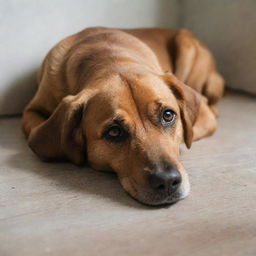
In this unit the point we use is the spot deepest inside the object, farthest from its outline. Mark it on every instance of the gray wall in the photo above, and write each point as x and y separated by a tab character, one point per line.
228	27
29	28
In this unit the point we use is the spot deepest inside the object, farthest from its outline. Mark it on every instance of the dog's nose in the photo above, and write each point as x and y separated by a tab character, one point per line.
167	181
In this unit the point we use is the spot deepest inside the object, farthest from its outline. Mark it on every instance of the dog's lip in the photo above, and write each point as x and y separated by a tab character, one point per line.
170	200
165	202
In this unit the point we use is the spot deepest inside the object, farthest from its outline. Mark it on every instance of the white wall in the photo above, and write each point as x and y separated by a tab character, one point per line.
29	28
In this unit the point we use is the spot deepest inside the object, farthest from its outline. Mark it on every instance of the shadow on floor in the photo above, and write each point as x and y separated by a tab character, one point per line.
70	177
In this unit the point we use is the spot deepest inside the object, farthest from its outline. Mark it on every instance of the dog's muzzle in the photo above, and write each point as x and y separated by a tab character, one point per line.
163	186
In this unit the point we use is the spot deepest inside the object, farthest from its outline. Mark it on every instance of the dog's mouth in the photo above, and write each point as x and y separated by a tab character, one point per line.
152	198
158	199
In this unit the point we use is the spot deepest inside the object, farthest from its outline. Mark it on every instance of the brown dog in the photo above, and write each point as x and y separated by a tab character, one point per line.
116	99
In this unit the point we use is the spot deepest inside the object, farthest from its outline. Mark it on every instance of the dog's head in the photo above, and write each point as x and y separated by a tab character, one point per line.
134	126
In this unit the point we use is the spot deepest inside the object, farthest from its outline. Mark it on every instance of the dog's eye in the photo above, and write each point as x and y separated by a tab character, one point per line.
115	133
168	116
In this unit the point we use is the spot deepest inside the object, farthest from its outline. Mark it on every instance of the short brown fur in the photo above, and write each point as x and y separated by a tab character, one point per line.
100	76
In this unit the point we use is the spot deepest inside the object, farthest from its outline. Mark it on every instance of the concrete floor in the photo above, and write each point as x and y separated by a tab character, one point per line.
60	209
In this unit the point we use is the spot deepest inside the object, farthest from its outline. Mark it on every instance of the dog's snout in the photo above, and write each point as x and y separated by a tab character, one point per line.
166	181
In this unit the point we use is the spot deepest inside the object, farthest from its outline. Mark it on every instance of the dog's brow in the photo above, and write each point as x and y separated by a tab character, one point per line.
157	106
120	121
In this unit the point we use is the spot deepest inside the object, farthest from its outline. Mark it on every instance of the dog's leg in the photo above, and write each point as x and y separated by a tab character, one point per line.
38	110
213	89
195	66
31	119
206	123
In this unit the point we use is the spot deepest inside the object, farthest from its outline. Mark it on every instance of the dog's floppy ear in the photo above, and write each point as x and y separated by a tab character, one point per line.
60	137
189	103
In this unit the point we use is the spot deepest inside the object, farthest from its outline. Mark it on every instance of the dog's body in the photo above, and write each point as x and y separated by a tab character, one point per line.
116	100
